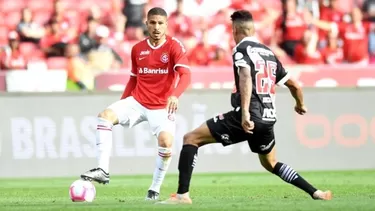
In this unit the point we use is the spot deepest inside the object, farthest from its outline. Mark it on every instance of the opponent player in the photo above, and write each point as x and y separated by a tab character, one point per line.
256	71
150	95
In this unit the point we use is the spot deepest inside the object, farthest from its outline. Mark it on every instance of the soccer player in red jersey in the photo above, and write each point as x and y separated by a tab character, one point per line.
151	95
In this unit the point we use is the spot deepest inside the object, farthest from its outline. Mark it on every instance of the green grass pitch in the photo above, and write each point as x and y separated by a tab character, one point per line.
353	190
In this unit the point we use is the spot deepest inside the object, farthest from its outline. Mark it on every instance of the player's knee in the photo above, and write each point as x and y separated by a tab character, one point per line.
108	115
191	139
165	140
165	144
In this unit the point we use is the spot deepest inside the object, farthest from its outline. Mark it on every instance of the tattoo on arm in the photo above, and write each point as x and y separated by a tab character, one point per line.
246	86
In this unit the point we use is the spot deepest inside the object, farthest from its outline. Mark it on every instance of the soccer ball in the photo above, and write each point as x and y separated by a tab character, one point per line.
82	191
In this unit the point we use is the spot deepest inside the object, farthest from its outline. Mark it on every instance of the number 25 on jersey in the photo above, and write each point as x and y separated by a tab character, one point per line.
265	78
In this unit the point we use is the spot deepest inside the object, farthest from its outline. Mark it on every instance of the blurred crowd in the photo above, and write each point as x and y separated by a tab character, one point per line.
87	37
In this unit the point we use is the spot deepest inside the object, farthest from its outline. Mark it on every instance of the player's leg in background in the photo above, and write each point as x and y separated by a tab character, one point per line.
118	112
289	175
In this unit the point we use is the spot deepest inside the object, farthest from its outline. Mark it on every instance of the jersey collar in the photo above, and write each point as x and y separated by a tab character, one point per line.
156	47
251	39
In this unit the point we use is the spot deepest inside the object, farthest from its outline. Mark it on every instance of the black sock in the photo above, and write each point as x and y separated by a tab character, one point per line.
188	157
288	174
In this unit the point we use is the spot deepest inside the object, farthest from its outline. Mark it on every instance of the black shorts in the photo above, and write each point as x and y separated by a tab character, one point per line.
227	130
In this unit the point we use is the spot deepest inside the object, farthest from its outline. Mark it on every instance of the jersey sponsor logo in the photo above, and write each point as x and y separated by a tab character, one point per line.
269	114
143	53
146	70
261	51
267	100
164	58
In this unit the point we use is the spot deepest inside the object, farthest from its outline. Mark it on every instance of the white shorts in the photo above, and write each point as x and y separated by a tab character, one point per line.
130	113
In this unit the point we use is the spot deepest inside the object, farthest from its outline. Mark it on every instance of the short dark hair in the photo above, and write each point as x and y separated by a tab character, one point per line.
157	11
241	15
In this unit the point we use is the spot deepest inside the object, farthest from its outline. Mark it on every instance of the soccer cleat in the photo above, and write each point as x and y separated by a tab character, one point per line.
97	175
152	195
320	195
178	199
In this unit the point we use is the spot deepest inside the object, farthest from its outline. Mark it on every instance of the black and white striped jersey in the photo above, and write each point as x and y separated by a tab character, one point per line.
266	71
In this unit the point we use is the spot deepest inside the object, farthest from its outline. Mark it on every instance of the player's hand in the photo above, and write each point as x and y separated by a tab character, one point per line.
247	124
300	109
172	104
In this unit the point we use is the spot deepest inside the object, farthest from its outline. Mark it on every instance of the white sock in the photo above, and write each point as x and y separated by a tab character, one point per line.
162	163
104	143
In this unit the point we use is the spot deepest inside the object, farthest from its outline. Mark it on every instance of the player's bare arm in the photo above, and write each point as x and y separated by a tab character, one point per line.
246	85
296	91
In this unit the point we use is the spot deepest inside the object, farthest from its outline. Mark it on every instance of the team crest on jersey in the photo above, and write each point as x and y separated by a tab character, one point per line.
164	58
238	56
171	117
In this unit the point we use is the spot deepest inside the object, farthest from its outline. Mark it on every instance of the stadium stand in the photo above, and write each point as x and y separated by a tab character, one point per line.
46	27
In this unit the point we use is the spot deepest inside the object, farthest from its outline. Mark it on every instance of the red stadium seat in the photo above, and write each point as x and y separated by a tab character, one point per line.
346	5
41	17
85	5
104	5
127	46
11	5
73	15
3	42
27	49
123	53
12	19
3	33
40	5
37	55
56	63
2	21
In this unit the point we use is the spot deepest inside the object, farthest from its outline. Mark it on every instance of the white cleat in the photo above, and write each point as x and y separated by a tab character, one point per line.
97	175
152	196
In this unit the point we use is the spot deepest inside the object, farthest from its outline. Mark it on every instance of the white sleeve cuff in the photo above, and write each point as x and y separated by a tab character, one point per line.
284	79
180	65
242	65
